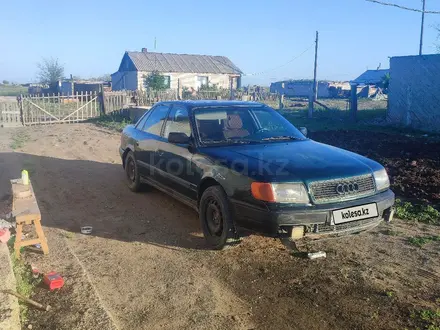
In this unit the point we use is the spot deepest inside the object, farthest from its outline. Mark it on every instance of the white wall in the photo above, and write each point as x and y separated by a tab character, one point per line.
125	80
188	79
414	93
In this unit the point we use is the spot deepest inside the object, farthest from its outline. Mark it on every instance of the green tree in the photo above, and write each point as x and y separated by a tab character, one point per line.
50	71
385	81
5	82
209	88
155	81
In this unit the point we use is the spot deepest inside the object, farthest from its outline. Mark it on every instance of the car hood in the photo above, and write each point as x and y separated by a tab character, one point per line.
292	161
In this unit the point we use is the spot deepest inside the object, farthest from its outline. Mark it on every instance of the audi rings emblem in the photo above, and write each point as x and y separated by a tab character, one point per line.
347	188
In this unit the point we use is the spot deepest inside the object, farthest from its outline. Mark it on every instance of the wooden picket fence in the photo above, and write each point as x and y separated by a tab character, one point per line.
57	108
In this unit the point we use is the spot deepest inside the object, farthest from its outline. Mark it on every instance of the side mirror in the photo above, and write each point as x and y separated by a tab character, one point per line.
178	138
303	130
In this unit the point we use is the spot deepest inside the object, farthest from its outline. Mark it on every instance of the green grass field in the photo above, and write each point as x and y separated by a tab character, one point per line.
12	90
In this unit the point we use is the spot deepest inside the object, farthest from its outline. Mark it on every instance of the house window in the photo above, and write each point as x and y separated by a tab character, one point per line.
201	80
149	82
167	81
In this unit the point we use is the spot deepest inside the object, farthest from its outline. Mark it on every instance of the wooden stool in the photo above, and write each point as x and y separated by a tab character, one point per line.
26	212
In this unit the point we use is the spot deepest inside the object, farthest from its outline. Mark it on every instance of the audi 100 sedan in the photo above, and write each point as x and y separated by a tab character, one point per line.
242	164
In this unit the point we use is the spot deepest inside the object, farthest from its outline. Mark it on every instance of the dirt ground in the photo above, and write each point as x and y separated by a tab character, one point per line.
412	163
145	265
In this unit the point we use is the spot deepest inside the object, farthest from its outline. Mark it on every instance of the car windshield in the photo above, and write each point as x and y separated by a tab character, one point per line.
243	125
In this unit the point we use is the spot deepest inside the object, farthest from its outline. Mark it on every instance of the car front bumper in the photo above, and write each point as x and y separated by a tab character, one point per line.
317	219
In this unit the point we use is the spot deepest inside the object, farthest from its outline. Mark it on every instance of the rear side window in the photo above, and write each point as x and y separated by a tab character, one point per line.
178	121
140	124
156	119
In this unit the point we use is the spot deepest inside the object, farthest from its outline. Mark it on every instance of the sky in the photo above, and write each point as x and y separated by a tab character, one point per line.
268	40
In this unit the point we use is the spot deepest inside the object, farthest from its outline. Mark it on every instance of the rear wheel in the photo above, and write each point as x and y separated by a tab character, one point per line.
216	219
132	173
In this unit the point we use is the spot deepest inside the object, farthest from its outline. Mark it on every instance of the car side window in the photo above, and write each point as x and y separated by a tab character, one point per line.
178	121
156	119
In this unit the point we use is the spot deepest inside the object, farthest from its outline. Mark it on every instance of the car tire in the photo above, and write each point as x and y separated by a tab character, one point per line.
132	173
216	219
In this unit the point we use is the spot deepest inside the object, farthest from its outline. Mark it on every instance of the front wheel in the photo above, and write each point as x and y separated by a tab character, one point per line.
132	173
216	219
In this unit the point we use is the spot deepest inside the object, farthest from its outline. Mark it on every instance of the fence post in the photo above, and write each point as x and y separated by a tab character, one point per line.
311	106
179	90
101	100
20	105
353	103
231	89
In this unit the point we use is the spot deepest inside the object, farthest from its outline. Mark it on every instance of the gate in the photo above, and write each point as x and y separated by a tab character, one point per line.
9	112
58	108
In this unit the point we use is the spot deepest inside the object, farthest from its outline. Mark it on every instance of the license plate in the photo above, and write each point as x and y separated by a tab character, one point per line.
355	213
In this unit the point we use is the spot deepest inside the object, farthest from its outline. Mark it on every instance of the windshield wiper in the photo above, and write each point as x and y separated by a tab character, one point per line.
282	138
228	141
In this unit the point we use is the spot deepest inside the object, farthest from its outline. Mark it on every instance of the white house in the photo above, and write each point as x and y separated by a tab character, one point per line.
180	70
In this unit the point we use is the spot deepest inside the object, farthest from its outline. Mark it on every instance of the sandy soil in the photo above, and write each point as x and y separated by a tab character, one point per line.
145	265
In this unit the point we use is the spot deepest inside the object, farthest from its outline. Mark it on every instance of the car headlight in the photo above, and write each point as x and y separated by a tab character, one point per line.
382	180
280	192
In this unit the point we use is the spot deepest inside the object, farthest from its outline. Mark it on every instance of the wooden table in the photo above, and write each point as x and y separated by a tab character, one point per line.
26	211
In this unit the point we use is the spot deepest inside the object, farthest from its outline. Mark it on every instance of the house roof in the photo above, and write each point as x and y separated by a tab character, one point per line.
371	77
166	62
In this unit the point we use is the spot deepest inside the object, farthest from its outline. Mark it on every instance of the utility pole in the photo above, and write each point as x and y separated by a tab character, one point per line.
314	93
315	82
422	28
423	11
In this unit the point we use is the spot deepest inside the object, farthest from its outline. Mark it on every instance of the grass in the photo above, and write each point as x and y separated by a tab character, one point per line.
391	232
116	122
69	234
389	294
25	283
18	140
419	241
418	213
325	120
334	104
12	90
372	119
429	318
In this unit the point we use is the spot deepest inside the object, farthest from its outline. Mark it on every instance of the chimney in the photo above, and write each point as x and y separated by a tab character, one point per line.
144	50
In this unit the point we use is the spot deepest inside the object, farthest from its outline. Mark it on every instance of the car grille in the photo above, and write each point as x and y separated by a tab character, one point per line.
343	228
337	190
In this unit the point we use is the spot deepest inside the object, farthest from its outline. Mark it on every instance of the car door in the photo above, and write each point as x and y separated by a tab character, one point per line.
174	160
149	137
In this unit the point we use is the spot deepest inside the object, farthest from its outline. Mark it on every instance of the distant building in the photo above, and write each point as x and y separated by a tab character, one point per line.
303	88
371	77
82	86
180	70
370	82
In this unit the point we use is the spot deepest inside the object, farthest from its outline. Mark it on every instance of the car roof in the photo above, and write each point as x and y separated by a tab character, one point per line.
213	103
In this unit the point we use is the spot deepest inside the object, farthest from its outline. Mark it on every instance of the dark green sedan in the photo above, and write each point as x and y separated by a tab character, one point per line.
242	164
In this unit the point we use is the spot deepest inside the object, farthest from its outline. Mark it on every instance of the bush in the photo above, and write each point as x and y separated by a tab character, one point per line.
415	212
